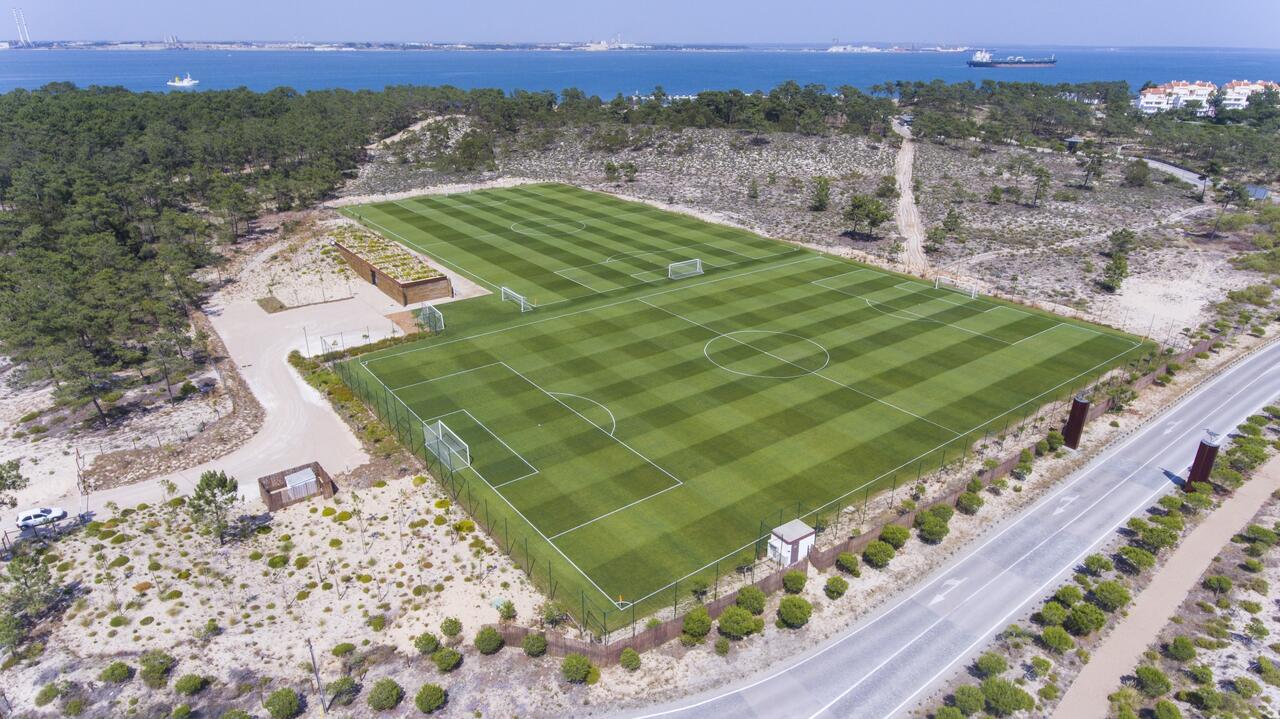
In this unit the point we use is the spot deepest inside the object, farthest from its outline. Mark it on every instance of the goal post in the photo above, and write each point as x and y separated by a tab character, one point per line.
510	295
429	319
447	446
967	289
684	268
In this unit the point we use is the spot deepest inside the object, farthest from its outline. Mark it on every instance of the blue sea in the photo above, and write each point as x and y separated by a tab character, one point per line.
609	73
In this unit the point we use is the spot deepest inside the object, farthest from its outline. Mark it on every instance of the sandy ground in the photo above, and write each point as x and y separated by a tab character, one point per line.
1121	651
300	424
429	189
910	225
401	556
49	462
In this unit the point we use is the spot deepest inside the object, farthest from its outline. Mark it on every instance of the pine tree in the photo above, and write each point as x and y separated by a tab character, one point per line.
211	503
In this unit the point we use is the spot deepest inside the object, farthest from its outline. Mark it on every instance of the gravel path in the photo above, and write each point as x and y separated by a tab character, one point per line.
1121	651
909	224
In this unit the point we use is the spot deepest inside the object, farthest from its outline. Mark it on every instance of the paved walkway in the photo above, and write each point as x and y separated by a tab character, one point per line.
910	226
1122	650
300	425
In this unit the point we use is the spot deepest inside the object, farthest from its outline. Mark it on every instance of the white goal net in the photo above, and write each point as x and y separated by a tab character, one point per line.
430	319
967	289
683	269
445	445
510	295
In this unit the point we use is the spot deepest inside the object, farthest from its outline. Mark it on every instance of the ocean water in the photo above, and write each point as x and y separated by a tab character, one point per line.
608	73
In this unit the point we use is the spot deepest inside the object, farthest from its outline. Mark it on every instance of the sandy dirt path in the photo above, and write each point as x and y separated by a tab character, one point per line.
910	226
1121	651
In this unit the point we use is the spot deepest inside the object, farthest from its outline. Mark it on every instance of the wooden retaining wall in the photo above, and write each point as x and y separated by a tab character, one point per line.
406	293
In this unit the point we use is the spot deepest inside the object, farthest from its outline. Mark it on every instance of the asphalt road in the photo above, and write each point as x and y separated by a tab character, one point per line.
879	666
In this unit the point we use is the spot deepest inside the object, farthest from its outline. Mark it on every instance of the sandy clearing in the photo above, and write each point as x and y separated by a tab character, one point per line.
1121	651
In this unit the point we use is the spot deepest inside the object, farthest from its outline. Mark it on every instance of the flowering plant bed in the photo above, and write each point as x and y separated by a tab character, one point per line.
389	258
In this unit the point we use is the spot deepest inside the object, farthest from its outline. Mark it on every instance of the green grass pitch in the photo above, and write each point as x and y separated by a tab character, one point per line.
634	430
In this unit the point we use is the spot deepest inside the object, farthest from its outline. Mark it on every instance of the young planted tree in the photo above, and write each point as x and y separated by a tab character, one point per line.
1091	163
1227	194
1137	174
821	195
212	502
1042	181
866	213
11	480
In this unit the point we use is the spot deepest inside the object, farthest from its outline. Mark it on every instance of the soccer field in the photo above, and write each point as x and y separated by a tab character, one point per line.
632	430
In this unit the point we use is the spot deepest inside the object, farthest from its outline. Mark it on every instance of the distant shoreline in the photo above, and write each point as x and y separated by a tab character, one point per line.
559	47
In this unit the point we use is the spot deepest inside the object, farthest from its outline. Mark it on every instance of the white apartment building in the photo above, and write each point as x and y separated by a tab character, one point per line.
1176	94
1235	94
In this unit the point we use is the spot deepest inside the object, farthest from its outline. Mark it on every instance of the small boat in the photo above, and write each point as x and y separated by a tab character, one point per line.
182	81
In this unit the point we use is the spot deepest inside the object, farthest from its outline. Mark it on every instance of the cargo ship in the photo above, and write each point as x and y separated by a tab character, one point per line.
982	58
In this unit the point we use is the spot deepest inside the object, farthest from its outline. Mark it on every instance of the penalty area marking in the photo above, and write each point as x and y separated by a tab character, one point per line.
613	420
532	469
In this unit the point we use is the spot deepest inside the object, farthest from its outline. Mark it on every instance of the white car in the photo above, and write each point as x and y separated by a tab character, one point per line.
38	517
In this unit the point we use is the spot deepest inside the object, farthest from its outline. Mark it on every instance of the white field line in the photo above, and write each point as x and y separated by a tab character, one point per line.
920	457
680	288
561	402
971	552
423	212
612	418
382	228
895	470
1054	327
533	469
444	376
503	497
804	369
658	270
633	450
915	317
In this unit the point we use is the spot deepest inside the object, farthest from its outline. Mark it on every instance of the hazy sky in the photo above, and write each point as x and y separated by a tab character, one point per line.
1217	23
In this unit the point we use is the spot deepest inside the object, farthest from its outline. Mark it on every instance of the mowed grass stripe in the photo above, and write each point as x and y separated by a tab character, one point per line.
746	447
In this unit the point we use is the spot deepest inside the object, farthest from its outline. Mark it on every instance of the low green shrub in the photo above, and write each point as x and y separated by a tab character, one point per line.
847	562
488	641
751	599
385	695
283	704
630	658
534	645
895	535
793	582
430	698
190	684
116	673
794	612
835	587
343	691
425	643
156	666
575	668
878	554
446	659
738	623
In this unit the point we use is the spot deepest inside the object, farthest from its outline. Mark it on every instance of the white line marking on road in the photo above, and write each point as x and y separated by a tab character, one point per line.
950	584
1064	503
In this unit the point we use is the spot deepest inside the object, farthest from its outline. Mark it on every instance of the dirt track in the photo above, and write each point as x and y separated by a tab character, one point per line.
908	215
